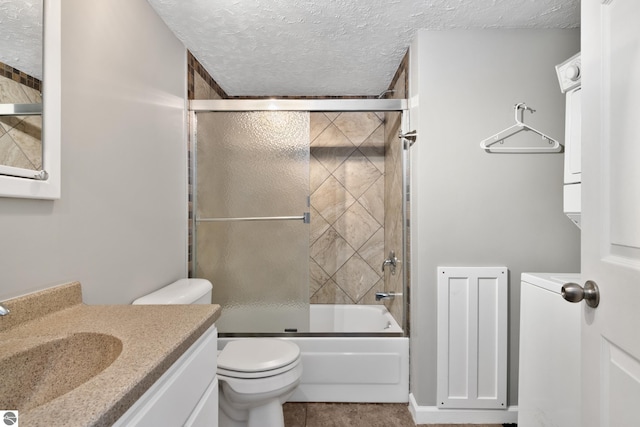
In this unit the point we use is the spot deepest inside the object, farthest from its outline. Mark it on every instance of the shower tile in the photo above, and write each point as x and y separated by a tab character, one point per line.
357	173
356	225
373	200
318	123
332	148
9	122
373	250
356	277
357	126
331	251
376	139
317	227
370	297
330	293
11	155
391	129
374	149
33	94
400	88
201	88
332	157
331	199
12	92
317	277
331	136
28	136
317	173
332	116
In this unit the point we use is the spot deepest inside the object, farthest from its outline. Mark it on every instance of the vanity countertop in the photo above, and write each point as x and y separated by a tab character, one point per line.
153	337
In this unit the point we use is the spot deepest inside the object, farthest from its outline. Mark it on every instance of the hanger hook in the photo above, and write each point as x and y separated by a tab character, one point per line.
521	107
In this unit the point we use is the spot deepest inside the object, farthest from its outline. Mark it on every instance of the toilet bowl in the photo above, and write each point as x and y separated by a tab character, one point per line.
255	375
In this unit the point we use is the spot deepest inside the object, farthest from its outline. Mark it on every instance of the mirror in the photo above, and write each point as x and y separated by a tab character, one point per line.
21	84
30	111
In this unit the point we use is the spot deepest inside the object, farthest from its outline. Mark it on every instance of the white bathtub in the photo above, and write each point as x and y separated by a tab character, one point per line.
351	368
351	318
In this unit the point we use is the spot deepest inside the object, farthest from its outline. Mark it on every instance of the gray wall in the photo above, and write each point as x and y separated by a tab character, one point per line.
470	208
120	226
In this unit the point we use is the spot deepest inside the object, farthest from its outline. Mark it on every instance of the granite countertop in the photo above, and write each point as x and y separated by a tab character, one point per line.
152	338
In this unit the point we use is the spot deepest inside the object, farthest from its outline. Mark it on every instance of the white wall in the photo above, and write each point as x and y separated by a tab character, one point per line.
120	226
470	208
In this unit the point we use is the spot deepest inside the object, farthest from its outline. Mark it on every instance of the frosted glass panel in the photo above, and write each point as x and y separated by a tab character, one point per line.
259	273
254	164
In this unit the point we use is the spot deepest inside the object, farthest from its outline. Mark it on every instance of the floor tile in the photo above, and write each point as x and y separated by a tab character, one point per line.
356	415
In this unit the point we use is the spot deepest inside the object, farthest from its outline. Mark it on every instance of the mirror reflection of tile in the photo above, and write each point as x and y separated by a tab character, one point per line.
20	136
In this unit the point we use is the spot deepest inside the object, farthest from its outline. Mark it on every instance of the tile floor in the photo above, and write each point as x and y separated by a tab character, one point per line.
354	415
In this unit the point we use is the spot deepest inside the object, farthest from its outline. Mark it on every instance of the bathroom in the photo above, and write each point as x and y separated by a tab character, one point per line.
121	224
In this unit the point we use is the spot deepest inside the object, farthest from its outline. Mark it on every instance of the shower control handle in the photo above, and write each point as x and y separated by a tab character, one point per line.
392	261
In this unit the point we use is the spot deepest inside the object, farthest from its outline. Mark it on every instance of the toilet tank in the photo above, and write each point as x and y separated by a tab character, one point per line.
183	291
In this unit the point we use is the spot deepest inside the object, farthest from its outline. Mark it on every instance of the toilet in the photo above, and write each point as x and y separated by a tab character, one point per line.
256	375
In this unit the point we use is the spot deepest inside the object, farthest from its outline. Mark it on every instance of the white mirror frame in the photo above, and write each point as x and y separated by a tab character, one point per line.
51	118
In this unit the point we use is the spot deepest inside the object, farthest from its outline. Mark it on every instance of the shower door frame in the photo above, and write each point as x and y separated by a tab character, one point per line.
311	106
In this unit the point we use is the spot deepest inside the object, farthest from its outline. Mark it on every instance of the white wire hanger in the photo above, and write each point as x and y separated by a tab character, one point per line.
495	143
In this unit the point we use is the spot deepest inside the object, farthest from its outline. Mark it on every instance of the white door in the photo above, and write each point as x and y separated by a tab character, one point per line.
611	212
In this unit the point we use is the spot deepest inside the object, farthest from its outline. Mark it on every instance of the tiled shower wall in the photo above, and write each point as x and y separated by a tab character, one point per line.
347	207
393	196
20	136
356	206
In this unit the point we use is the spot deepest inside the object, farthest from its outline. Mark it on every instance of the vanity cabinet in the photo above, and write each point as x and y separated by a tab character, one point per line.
187	394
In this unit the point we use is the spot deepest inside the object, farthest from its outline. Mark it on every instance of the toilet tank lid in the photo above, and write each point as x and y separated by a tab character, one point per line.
183	291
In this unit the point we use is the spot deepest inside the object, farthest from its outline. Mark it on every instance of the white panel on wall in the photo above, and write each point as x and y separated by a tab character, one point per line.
472	337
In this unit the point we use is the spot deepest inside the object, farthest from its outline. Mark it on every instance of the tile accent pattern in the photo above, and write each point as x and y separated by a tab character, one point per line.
20	77
200	85
347	207
20	136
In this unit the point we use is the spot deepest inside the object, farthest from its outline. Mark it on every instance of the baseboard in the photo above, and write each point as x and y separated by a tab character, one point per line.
435	415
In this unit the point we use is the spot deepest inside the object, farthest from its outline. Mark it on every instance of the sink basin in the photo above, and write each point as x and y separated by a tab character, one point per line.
46	370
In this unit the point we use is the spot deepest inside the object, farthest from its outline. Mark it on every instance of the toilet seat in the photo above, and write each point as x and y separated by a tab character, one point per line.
257	358
259	374
268	386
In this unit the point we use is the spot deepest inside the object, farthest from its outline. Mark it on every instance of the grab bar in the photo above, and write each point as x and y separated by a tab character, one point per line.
305	217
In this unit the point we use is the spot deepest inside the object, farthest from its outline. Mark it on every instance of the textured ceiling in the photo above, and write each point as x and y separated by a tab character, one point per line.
21	35
331	47
299	47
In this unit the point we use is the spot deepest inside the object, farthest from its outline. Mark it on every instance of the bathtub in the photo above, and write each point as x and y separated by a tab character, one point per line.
351	318
351	366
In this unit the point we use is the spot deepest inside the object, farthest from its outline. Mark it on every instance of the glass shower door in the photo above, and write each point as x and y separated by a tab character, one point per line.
252	231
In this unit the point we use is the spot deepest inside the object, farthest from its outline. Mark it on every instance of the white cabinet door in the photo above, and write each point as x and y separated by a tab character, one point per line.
611	212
